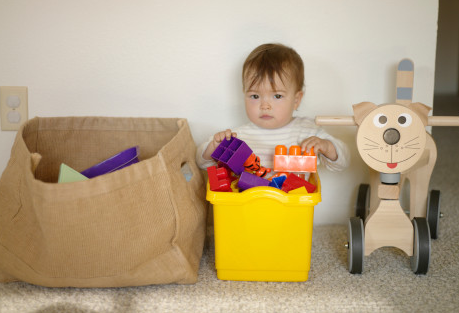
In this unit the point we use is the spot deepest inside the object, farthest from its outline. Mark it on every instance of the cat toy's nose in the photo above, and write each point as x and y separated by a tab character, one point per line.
391	136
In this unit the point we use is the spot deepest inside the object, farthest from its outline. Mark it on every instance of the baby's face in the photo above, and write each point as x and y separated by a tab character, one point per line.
268	108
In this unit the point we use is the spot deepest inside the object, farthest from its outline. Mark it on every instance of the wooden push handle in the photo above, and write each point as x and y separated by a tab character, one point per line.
443	120
349	121
335	120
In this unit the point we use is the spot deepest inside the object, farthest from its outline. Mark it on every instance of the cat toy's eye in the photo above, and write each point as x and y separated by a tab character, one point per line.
380	120
404	120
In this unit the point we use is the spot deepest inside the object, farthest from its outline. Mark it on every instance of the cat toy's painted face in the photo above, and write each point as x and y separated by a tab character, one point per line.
391	138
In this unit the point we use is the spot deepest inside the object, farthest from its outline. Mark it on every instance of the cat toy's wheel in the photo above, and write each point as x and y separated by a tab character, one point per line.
421	247
355	245
433	213
362	206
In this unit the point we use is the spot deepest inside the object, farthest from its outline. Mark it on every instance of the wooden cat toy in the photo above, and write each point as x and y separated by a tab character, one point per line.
393	142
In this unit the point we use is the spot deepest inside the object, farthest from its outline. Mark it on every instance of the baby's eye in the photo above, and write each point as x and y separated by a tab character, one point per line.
255	96
278	96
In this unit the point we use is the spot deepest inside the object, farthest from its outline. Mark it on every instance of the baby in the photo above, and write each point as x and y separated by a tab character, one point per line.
273	80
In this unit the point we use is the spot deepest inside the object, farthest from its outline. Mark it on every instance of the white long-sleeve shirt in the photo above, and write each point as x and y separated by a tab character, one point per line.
263	142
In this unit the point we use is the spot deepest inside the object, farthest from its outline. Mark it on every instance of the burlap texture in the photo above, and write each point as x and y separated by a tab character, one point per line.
144	224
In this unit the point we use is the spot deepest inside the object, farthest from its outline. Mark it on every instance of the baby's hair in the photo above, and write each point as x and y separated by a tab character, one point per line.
269	60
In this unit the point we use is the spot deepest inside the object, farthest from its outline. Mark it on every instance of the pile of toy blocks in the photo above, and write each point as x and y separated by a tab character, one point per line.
239	169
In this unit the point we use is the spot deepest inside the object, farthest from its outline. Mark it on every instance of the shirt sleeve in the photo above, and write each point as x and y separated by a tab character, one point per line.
200	161
342	162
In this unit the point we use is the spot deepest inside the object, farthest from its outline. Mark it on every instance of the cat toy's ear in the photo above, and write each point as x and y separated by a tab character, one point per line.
422	110
361	110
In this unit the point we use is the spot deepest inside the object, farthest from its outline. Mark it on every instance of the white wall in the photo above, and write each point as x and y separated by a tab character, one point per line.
183	59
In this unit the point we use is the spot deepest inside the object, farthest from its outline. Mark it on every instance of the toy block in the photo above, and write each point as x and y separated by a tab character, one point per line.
248	180
68	175
294	161
294	182
232	153
277	182
114	163
299	191
218	179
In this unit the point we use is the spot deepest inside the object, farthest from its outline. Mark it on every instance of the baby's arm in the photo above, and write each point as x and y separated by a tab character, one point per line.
323	146
218	138
332	152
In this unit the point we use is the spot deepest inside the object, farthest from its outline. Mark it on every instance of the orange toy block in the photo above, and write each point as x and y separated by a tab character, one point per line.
294	161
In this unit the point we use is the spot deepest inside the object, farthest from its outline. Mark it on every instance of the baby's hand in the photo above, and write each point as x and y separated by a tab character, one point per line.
323	146
218	138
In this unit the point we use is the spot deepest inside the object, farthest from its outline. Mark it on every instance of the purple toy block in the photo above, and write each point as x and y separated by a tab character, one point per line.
114	163
248	180
232	153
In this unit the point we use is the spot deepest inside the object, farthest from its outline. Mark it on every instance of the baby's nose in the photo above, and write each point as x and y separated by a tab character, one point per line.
265	105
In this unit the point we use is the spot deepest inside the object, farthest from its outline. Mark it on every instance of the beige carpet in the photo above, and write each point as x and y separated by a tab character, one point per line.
387	284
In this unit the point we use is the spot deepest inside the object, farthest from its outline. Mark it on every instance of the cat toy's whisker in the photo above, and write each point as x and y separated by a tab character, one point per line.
372	141
411	140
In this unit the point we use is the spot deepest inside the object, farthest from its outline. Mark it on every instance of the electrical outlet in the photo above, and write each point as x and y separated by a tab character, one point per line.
13	107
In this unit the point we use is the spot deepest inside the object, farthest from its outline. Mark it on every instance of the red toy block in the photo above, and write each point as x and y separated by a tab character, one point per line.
294	161
293	182
219	179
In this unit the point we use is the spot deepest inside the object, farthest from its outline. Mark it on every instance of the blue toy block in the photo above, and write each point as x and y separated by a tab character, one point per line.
232	153
277	182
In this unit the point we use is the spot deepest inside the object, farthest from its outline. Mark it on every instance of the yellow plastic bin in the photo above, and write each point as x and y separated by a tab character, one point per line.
263	233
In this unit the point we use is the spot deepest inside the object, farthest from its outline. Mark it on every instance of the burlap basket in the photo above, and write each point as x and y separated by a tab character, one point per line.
141	225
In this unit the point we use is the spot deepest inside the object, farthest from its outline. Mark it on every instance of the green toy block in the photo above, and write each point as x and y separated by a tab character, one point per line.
68	175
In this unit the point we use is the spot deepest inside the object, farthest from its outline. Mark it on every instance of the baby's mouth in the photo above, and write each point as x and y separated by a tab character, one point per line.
391	165
266	117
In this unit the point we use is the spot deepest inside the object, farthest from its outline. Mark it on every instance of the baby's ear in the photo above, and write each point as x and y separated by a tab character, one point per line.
361	110
298	97
422	110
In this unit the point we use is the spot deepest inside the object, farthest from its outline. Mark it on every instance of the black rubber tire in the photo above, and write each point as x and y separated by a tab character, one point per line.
433	213
356	244
421	246
362	206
